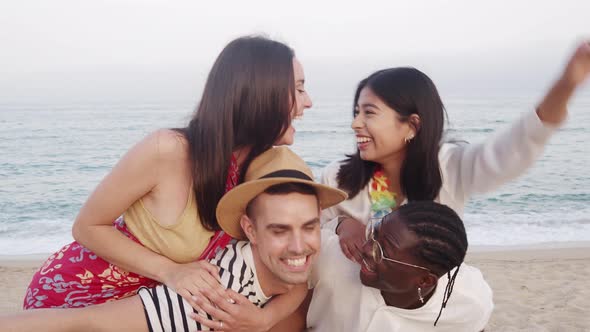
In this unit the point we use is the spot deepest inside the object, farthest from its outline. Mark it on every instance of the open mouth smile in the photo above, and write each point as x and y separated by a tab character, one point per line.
300	263
363	141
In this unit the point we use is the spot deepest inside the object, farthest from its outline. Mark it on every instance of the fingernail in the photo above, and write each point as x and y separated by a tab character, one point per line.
194	298
231	301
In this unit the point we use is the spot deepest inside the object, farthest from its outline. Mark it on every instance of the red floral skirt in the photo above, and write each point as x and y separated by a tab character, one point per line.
76	277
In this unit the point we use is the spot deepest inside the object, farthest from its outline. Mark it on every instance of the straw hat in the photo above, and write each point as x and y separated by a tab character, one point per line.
275	166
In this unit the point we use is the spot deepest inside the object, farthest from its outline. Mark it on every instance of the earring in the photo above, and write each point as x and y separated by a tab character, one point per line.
420	295
408	139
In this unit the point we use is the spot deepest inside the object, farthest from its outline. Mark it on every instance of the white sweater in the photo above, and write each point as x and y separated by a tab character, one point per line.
466	168
341	303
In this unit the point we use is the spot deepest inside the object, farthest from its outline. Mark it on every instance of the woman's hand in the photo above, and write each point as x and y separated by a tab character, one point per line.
352	238
553	107
241	315
578	67
193	278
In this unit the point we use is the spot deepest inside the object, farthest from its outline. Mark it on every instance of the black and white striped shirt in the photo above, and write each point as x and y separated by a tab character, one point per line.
167	311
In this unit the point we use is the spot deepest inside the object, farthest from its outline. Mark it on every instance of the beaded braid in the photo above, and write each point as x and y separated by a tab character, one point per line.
442	239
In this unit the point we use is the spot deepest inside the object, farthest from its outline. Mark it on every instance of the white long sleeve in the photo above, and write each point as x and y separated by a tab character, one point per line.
466	169
478	168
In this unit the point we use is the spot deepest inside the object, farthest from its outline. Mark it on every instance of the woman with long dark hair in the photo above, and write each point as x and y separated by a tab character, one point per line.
163	193
398	122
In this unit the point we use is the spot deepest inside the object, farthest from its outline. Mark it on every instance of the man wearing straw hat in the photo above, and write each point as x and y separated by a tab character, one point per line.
277	209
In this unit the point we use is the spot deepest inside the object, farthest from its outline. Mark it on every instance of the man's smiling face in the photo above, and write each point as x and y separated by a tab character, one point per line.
285	234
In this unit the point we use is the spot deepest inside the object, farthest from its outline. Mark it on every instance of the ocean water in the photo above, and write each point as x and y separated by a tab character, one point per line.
53	155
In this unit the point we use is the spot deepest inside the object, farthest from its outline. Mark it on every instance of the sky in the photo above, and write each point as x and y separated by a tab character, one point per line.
149	50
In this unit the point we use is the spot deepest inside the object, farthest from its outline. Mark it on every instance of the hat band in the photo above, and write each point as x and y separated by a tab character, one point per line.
288	173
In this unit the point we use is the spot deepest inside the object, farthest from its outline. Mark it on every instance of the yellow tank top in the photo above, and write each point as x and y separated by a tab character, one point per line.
182	242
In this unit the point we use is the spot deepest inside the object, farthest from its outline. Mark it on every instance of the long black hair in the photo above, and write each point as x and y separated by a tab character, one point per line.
407	91
246	102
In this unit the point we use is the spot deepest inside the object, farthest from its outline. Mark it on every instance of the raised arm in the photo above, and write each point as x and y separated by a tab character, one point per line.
553	108
483	167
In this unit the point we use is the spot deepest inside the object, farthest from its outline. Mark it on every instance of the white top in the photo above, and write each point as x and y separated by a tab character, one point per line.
466	168
341	303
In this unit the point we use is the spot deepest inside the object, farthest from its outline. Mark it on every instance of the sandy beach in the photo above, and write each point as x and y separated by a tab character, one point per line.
543	288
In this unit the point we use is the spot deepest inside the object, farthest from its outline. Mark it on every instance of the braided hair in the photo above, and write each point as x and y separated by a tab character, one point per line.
442	239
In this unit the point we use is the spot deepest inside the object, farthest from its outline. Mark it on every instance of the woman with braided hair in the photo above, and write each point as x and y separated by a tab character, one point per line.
411	277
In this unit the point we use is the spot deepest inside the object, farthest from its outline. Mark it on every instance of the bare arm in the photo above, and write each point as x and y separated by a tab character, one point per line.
297	321
478	168
553	108
242	315
283	307
121	315
136	175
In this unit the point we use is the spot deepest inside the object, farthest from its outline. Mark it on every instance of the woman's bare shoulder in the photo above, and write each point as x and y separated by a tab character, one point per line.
170	144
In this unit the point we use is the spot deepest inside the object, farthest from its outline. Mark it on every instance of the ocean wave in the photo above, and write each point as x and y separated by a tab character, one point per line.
54	155
509	229
46	235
